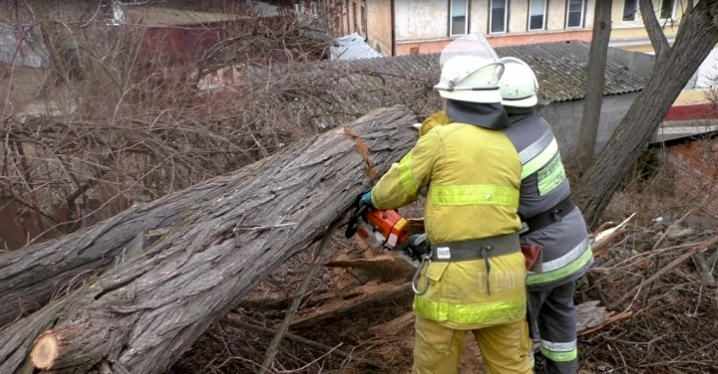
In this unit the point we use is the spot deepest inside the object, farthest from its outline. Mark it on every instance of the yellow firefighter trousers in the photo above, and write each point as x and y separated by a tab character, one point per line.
505	348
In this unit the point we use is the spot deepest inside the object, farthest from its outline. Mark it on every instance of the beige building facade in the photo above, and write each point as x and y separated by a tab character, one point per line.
401	27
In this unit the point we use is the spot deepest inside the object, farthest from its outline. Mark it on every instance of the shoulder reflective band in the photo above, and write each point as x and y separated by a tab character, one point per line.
474	195
528	153
540	160
551	176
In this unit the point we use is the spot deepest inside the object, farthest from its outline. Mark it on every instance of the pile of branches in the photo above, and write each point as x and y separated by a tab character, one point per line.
650	299
660	280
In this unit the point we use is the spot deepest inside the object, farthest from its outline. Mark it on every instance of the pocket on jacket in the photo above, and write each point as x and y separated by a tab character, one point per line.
436	270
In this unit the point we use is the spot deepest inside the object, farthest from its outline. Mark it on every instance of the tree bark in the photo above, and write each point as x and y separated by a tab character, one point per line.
32	276
696	37
159	301
597	55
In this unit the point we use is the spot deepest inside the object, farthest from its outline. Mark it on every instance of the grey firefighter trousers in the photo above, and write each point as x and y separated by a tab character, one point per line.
552	320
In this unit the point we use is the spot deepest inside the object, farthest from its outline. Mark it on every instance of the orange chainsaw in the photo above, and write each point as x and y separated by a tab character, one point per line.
384	229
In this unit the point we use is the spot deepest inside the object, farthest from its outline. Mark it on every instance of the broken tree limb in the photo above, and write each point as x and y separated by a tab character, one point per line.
683	258
358	297
604	238
158	302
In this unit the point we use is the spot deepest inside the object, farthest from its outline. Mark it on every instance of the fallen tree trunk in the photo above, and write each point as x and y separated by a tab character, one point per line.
32	276
146	311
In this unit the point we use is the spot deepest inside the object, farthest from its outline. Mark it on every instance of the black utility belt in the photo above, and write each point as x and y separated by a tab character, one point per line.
475	249
547	218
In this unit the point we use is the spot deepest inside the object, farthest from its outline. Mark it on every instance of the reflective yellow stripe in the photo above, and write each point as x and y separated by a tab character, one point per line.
474	195
551	176
406	174
562	272
560	356
539	161
480	314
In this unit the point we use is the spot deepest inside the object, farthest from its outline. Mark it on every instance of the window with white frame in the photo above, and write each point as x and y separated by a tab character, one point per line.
574	13
458	17
667	9
497	17
537	15
629	10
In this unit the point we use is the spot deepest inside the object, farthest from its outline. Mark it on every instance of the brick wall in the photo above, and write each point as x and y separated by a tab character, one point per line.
695	167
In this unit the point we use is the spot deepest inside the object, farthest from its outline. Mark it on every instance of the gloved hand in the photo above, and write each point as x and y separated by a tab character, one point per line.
365	199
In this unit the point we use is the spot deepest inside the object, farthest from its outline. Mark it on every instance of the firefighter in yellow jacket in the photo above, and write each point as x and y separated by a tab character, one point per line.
473	280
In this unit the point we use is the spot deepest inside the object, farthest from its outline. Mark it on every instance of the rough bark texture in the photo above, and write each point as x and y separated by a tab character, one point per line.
159	301
30	277
696	37
594	84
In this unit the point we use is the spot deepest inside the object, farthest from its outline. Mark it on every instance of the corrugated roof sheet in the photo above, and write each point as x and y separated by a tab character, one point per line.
340	91
561	68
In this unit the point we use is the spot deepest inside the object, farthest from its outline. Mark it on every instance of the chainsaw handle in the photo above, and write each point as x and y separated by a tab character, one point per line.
352	225
414	244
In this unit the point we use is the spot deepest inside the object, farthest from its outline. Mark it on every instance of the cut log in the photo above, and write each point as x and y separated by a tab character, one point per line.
158	302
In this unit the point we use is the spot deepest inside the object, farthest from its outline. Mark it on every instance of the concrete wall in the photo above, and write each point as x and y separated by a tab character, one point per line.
379	25
21	45
638	63
565	119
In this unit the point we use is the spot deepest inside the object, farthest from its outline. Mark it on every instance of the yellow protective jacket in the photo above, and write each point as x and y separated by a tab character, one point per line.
439	118
475	174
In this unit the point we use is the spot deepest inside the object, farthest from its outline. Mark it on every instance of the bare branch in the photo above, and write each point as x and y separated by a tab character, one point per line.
653	28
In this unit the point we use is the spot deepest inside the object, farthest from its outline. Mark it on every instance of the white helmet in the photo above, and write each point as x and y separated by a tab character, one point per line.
470	71
519	85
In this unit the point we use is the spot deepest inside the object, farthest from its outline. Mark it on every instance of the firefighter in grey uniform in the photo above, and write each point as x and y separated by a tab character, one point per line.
554	222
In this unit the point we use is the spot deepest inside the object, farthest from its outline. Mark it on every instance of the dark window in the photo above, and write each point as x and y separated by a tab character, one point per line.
574	15
354	16
498	16
459	19
666	9
363	21
537	14
629	10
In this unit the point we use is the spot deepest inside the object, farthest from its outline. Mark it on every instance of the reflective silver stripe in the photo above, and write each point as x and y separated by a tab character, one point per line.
533	150
558	347
566	259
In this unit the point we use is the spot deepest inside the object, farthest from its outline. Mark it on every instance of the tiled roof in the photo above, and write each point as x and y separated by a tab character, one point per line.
340	91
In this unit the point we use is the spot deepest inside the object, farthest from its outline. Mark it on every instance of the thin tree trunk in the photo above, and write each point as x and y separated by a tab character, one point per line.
597	55
696	37
139	316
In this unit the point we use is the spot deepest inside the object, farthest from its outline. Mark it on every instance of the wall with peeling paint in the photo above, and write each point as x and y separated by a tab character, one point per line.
424	20
379	25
